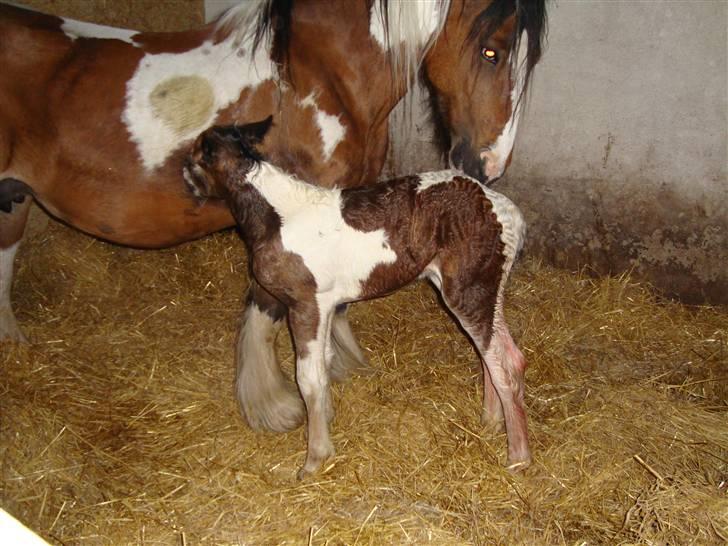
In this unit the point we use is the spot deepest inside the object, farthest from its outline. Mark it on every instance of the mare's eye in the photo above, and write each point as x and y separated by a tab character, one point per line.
489	55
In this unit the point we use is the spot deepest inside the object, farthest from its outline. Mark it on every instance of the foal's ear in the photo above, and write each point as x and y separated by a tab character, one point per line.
208	145
253	133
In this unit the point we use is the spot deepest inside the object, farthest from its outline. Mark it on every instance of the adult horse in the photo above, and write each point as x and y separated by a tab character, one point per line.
95	123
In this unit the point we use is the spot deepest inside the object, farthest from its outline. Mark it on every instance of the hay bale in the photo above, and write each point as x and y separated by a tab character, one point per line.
119	423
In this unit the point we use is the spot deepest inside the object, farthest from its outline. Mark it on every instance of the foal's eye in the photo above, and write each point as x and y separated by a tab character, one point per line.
489	55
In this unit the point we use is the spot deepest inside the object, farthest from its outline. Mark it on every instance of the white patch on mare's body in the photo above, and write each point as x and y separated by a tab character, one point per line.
81	29
7	260
227	71
338	256
8	325
330	127
497	154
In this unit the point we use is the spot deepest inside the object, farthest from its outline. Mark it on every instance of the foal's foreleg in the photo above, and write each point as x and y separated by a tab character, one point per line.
311	331
267	399
12	226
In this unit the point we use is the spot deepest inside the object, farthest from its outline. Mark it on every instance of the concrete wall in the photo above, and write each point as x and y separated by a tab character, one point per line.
621	160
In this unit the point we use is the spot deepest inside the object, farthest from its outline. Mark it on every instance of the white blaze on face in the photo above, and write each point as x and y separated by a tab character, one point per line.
80	29
338	256
331	129
496	155
220	72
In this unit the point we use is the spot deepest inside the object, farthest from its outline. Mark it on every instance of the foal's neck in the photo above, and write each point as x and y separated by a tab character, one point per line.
284	192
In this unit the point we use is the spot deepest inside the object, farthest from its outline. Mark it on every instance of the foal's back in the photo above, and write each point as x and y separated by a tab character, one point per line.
439	223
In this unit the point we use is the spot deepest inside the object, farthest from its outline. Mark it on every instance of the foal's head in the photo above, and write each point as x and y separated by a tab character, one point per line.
222	156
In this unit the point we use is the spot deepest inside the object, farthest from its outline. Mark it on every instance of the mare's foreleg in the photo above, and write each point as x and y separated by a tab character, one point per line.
347	356
14	208
267	399
311	329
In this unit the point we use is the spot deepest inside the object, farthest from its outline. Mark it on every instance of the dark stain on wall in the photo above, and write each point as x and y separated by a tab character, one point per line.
668	239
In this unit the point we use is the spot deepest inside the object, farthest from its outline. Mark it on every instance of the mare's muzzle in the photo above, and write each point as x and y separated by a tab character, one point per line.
465	158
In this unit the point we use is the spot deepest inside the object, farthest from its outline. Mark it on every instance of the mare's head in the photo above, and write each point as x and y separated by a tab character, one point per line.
223	156
478	70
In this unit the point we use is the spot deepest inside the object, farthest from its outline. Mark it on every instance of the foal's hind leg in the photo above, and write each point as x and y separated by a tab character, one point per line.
267	399
12	226
506	365
479	309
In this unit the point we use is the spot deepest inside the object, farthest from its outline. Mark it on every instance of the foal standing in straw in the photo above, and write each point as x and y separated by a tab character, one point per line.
316	248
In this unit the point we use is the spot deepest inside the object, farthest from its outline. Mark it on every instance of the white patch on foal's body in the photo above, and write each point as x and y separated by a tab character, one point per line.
427	180
338	256
227	71
330	127
497	154
81	29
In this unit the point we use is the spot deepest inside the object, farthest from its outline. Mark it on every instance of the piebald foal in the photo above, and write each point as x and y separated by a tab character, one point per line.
316	248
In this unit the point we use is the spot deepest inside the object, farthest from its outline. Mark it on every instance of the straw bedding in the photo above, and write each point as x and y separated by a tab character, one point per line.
119	424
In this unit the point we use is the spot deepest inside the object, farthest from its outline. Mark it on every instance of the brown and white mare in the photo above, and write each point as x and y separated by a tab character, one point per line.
95	123
316	248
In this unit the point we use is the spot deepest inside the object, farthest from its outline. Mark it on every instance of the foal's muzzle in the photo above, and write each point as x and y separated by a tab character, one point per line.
195	181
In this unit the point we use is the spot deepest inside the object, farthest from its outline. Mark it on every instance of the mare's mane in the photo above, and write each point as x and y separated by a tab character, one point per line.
269	22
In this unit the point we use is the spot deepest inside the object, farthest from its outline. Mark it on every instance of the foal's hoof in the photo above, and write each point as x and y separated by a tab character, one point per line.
315	460
492	423
519	466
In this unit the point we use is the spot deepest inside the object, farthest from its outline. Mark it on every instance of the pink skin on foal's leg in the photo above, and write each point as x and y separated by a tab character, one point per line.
492	416
507	365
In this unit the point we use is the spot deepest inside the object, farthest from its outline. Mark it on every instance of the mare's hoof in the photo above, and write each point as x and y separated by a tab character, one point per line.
283	412
9	329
